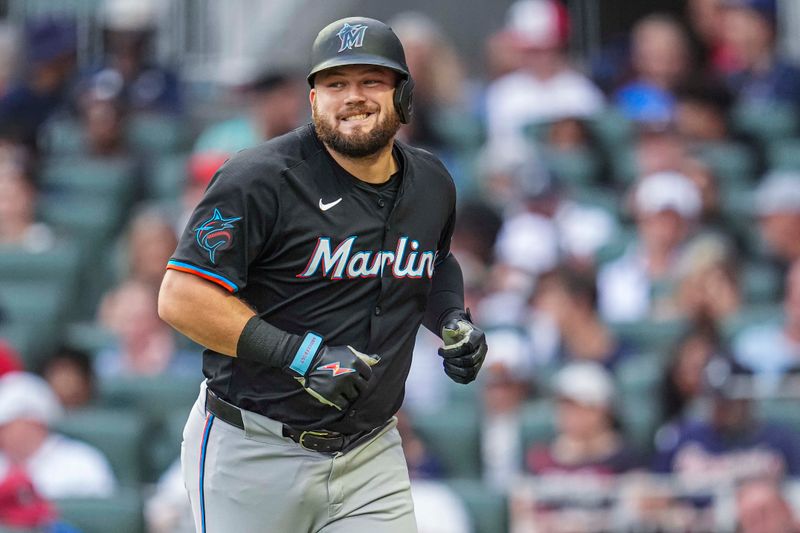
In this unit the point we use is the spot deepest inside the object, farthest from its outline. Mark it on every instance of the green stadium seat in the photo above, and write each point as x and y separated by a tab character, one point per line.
780	411
612	129
624	165
118	433
784	154
33	341
90	178
164	403
120	513
165	445
154	134
487	508
453	435
88	336
91	222
761	283
63	137
650	336
640	373
460	130
752	315
150	395
167	177
766	123
538	423
577	168
58	264
34	301
640	414
734	164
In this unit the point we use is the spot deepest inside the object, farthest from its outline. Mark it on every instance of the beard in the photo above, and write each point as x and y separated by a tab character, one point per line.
357	144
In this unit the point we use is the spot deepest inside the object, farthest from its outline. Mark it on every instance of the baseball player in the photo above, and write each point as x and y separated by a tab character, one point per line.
306	271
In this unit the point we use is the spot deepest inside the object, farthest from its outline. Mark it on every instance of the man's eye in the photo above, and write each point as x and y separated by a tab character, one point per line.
336	84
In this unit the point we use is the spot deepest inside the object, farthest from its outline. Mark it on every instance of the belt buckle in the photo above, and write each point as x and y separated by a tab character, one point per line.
321	437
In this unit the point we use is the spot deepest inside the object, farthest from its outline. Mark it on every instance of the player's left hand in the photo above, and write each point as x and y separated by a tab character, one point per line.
464	349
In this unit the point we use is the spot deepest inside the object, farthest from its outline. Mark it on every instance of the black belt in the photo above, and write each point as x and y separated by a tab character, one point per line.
317	440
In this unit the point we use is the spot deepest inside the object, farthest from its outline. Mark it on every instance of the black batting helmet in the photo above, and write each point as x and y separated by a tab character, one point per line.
364	41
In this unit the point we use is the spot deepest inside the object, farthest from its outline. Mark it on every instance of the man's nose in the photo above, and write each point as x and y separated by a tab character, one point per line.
355	94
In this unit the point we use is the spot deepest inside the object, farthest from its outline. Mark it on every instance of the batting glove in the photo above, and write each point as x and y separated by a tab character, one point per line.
334	375
464	348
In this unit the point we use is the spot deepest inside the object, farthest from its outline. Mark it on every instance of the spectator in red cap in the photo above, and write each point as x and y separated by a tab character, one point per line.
9	359
545	87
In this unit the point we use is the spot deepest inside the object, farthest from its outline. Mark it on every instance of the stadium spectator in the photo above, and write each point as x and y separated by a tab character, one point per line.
761	507
167	510
546	86
44	87
436	507
705	23
103	121
59	467
128	70
587	440
761	76
701	112
708	280
640	284
730	443
149	242
683	380
770	348
569	299
777	205
274	106
660	56
145	346
70	375
439	84
506	383
422	463
18	197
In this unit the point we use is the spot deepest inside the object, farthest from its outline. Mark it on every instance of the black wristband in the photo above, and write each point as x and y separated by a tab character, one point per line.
262	342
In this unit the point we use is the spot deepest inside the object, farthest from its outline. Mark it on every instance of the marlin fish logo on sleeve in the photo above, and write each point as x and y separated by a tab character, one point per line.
405	261
215	234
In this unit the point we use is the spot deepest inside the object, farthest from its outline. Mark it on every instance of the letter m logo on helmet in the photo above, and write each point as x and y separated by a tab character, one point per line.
352	36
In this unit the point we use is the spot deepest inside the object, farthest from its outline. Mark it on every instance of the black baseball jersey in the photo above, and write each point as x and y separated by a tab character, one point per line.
312	248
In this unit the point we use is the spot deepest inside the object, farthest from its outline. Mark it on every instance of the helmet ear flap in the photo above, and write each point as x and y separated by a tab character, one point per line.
403	99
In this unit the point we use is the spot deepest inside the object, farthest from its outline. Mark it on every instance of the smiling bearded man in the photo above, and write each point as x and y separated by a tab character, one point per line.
306	271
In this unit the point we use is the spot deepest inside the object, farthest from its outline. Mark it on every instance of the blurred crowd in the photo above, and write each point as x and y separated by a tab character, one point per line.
628	227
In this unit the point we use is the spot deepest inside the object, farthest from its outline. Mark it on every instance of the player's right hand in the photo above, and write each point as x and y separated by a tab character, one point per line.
336	375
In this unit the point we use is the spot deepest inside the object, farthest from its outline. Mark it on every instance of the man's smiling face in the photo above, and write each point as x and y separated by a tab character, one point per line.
353	109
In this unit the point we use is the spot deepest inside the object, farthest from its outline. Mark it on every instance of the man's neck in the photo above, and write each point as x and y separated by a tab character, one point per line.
374	169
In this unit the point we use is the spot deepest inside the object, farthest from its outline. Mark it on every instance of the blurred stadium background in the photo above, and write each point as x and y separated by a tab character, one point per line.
629	230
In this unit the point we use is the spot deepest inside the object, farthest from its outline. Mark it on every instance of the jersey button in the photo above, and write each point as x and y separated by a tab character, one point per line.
381	203
377	310
352	413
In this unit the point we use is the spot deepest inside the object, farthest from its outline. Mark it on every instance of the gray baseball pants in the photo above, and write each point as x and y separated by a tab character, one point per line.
258	481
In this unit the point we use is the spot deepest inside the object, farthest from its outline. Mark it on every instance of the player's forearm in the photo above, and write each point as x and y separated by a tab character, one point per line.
446	296
205	313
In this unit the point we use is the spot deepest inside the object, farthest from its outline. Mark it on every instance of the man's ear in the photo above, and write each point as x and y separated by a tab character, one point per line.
312	95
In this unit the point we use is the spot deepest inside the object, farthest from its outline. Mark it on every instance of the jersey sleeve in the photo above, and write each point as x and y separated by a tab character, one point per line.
230	227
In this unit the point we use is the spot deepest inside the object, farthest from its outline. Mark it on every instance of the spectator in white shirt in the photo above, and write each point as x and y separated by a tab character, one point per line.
639	284
59	467
546	86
